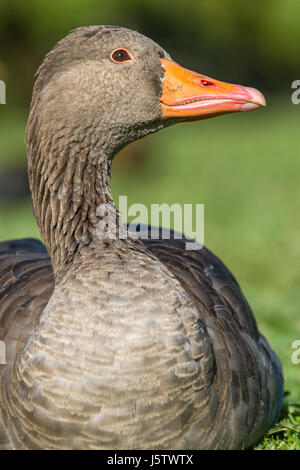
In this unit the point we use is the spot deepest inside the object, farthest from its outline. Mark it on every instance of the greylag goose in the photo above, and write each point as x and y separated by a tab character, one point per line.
122	343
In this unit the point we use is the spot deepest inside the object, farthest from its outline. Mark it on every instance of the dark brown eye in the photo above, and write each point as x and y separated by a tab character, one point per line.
120	55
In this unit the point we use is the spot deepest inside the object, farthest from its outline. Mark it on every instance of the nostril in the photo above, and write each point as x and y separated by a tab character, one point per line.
206	82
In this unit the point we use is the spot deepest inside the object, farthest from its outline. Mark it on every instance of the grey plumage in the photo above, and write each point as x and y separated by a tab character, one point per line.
118	343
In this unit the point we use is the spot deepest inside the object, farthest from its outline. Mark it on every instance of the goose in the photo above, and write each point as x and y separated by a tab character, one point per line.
122	343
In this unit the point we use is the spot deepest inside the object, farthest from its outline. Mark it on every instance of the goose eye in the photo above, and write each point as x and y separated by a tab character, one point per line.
120	55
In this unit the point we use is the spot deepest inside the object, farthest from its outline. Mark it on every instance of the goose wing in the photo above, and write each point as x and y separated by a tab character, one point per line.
26	284
248	375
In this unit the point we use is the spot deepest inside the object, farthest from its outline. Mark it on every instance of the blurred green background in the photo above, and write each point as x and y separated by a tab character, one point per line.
244	167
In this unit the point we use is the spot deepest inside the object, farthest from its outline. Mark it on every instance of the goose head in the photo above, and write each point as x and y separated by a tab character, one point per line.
99	89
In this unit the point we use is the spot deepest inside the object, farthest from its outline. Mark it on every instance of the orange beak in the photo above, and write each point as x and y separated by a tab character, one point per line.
188	94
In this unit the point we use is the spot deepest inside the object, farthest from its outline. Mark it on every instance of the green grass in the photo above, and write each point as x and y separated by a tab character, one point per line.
245	168
286	434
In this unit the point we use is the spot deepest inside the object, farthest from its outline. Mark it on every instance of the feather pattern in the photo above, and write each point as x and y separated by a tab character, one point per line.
234	399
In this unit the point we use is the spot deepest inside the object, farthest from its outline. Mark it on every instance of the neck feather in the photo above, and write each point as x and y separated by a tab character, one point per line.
69	177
